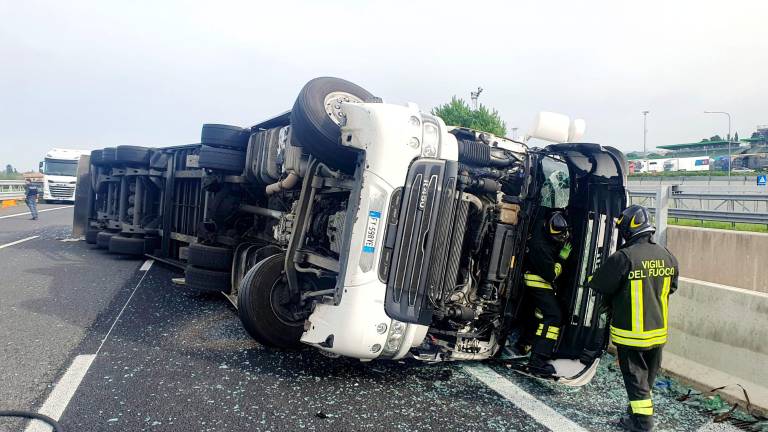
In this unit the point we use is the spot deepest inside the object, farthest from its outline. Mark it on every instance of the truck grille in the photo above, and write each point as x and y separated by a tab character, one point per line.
421	251
62	191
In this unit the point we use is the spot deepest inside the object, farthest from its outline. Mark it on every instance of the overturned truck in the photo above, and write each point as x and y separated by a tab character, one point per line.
366	229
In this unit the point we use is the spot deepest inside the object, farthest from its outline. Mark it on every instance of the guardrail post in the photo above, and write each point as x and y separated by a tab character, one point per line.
662	208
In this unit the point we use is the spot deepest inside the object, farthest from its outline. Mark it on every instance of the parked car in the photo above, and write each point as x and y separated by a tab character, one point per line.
376	231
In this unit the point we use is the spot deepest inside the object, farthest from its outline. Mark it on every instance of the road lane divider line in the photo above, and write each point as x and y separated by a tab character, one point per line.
62	393
39	211
535	408
106	336
65	389
18	241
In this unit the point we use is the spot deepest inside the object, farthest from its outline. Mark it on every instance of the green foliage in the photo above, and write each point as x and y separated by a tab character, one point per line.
458	113
10	173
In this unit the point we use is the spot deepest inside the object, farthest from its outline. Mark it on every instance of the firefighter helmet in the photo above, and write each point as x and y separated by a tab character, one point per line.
634	220
557	227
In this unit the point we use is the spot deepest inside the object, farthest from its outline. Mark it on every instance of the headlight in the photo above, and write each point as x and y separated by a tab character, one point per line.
394	339
431	138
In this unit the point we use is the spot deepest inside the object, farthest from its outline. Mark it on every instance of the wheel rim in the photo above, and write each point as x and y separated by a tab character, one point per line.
333	105
278	300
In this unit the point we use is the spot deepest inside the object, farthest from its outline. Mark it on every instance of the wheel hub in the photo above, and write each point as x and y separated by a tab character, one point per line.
333	105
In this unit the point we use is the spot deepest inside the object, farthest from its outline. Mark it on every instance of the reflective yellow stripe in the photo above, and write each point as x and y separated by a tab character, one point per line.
540	330
640	343
551	336
638	335
558	269
637	305
533	277
665	299
538	285
642	407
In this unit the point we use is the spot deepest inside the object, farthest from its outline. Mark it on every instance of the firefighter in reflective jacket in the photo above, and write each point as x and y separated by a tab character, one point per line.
547	249
637	281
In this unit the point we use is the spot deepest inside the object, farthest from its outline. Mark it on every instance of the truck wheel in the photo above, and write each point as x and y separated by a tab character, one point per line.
103	238
132	154
126	245
316	116
108	155
204	280
217	135
210	257
261	305
97	158
221	159
91	235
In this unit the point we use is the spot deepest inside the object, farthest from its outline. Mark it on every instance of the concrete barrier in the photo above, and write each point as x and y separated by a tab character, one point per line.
733	258
719	336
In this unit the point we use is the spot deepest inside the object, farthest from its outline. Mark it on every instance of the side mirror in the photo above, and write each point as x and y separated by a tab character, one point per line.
550	126
40	167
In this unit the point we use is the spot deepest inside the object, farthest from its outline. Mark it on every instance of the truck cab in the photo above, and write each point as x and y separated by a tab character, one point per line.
59	169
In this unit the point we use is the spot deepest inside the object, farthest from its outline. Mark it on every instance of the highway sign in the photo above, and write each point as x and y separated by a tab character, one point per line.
762	180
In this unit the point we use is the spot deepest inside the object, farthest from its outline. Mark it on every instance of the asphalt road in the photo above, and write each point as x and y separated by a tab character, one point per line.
154	356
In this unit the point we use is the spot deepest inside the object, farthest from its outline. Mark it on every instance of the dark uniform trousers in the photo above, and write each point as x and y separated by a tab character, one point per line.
548	313
639	370
638	280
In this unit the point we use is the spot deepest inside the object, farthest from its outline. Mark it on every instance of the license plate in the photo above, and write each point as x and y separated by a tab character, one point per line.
369	245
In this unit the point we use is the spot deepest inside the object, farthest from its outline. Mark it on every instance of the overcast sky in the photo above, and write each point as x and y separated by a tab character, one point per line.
78	74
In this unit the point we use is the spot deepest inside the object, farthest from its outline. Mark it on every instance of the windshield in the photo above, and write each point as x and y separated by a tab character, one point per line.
557	183
60	168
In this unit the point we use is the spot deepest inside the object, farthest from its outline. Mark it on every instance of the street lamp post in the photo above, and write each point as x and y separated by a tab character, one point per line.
729	139
645	131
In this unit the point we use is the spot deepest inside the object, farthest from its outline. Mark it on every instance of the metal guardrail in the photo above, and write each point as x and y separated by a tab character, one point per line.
11	189
736	208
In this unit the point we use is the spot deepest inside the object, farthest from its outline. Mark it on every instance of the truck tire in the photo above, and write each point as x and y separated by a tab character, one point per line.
205	280
91	235
315	119
127	245
97	158
108	155
257	305
132	155
210	257
218	135
222	159
103	239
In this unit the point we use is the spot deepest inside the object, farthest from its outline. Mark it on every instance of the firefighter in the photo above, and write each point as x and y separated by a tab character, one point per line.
637	281
547	248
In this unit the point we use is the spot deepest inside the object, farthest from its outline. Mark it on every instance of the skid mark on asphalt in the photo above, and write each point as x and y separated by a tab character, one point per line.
18	241
538	410
66	387
39	211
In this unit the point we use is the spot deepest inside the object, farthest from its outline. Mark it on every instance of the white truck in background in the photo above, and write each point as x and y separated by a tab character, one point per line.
59	171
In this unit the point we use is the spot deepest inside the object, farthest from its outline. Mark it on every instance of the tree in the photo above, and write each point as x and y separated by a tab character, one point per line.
9	169
736	137
458	113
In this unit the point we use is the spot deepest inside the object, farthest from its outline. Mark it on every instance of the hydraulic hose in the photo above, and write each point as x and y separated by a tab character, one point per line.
34	416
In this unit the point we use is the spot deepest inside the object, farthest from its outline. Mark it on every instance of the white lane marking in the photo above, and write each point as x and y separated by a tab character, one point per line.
121	312
718	427
18	241
59	398
535	408
147	265
62	393
39	211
